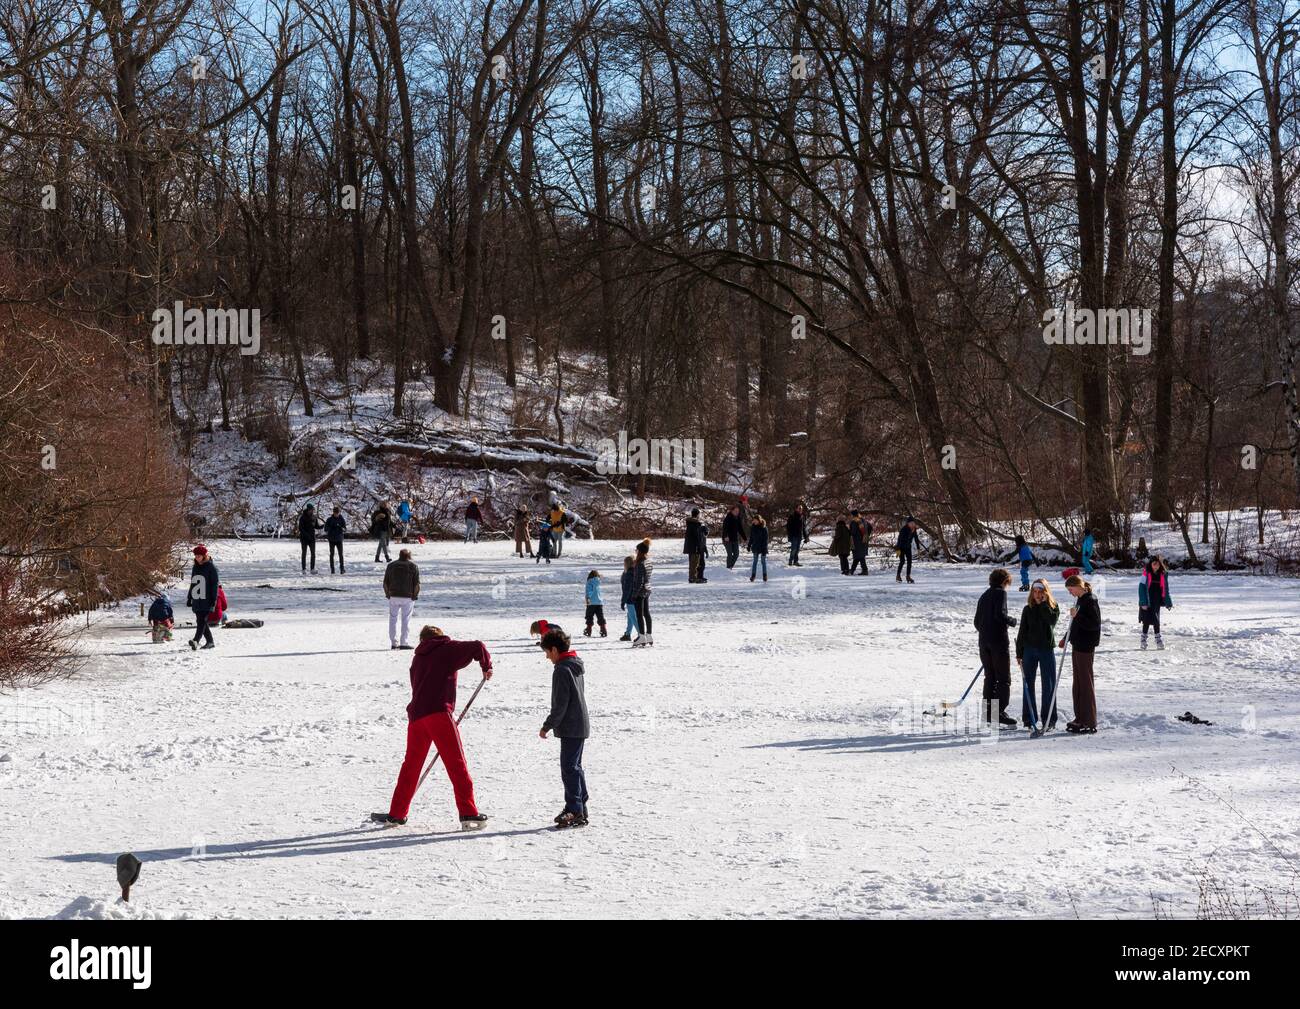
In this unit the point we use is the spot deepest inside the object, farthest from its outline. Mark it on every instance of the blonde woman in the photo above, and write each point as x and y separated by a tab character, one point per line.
1085	633
1035	651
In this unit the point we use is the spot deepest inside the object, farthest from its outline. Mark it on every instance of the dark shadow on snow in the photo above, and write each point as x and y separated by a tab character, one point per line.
894	743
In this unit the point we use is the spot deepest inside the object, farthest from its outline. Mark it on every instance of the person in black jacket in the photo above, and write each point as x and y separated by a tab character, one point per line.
202	596
758	546
570	723
991	621
696	546
308	523
906	538
381	525
732	533
860	537
796	531
1085	634
335	527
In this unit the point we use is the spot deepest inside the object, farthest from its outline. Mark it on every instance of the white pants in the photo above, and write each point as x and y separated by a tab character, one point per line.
397	605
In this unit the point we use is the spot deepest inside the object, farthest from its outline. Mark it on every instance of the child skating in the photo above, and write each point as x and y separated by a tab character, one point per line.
568	720
626	603
595	605
1153	596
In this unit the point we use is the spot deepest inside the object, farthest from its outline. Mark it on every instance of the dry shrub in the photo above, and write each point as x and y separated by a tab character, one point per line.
264	422
311	457
90	488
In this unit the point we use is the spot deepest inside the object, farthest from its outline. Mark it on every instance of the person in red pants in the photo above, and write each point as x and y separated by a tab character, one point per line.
434	667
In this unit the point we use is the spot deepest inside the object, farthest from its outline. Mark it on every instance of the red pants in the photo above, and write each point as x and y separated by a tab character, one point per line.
440	730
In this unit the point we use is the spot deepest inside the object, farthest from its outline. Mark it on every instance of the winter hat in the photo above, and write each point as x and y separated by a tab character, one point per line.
542	626
128	871
200	549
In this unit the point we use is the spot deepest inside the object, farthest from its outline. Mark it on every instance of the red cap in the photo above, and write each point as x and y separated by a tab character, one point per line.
200	549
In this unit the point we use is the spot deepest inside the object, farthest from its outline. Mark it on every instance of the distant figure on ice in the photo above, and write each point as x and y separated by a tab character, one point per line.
1085	551
473	518
732	532
569	721
842	543
758	546
1085	634
335	526
558	520
641	572
545	545
1153	596
404	518
1141	553
907	538
796	532
202	596
1026	557
1034	650
308	523
991	621
402	587
522	537
381	525
595	605
430	721
161	618
696	547
626	603
860	535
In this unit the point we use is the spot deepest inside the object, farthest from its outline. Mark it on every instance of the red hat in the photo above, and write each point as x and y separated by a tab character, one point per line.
200	549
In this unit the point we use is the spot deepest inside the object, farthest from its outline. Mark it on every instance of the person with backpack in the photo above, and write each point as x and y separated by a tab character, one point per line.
595	605
335	527
381	525
641	572
308	523
731	535
569	720
1085	635
473	519
202	596
758	546
1026	558
696	547
992	621
402	589
626	603
1153	596
841	543
522	537
796	532
1034	651
860	538
430	721
907	538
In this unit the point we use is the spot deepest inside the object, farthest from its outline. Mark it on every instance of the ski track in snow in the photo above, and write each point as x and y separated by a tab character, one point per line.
764	758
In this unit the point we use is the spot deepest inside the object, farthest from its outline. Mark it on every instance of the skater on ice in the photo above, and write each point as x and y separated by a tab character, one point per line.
860	537
1153	596
595	605
569	721
473	519
1085	634
992	622
758	546
1086	550
1035	652
202	596
626	603
335	526
907	538
842	543
308	523
402	588
431	722
696	547
523	540
732	531
796	532
381	525
641	571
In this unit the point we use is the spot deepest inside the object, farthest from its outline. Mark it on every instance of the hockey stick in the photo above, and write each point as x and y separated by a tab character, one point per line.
436	755
946	705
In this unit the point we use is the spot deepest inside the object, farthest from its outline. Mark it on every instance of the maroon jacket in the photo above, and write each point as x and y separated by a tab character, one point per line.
433	673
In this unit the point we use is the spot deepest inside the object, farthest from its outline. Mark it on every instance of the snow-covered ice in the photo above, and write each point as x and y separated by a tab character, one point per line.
766	757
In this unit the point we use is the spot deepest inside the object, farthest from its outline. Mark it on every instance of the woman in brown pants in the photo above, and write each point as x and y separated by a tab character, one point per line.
1085	633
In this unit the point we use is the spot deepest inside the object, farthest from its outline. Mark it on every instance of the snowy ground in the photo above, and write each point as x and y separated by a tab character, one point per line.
765	758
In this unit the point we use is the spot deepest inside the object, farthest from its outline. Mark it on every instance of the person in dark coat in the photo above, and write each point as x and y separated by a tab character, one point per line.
907	538
1085	635
430	720
381	525
335	527
992	621
860	537
545	543
626	603
1153	595
202	596
841	543
473	519
696	546
161	618
758	546
732	533
522	537
571	724
1034	651
402	588
308	523
796	532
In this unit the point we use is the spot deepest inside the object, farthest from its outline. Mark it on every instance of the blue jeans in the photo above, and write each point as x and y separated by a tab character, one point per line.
575	781
631	619
471	530
753	568
795	544
1033	660
1024	573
